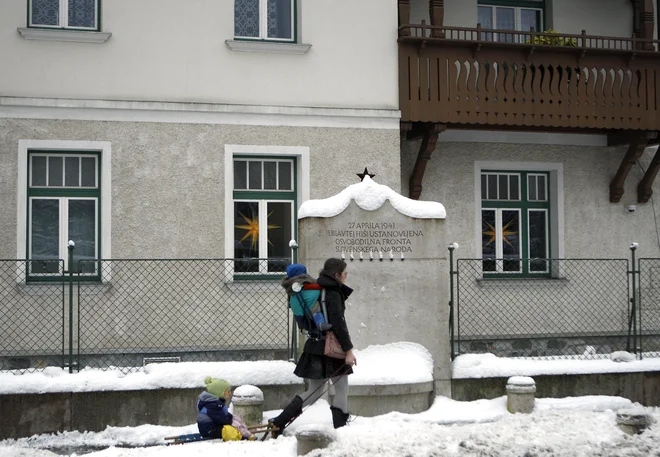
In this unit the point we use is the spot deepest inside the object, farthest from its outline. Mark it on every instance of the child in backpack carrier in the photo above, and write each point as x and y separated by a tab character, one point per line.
304	296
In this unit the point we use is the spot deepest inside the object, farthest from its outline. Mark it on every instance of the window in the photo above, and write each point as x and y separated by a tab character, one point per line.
264	209
63	204
515	210
520	15
264	19
65	14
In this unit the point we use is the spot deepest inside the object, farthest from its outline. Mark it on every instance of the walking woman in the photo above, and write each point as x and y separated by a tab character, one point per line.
316	367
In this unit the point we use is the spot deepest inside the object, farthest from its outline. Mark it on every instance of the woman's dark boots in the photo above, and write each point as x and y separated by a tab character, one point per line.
339	417
292	410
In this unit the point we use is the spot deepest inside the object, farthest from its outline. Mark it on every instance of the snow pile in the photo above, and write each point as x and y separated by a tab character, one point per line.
248	393
491	366
370	196
153	376
395	363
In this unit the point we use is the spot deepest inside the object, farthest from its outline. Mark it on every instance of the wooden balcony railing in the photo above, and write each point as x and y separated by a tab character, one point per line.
462	76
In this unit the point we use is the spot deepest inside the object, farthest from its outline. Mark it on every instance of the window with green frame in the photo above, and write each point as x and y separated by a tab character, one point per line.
64	197
272	20
64	14
521	15
515	211
264	214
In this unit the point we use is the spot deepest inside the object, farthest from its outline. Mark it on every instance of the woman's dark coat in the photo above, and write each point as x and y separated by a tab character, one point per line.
313	364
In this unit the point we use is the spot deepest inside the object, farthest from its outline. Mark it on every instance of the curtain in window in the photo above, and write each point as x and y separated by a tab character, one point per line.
46	12
506	20
82	13
246	18
279	19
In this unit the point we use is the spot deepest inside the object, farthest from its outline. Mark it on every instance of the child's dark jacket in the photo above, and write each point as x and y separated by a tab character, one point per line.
212	412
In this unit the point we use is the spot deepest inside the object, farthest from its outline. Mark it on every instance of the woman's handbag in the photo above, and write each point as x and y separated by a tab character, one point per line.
332	346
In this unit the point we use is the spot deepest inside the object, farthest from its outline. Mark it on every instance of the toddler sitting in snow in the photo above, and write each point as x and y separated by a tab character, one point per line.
213	418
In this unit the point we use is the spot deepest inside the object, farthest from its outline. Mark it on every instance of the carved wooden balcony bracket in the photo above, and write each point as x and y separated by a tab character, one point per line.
429	132
635	151
645	187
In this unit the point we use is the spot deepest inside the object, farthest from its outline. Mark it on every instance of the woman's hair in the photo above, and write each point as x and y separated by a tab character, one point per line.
333	266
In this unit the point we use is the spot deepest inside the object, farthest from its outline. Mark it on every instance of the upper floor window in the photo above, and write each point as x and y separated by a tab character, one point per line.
515	209
64	14
522	15
264	19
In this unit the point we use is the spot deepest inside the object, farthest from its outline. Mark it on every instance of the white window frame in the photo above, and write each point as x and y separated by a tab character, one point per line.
302	156
555	191
263	234
105	148
263	24
64	17
499	245
517	18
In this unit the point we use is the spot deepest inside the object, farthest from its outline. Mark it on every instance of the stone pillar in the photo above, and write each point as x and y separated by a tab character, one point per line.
313	437
520	391
249	404
396	252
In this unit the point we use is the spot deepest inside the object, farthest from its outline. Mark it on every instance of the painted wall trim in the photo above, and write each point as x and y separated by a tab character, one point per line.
496	136
106	192
268	47
302	154
197	113
78	36
557	206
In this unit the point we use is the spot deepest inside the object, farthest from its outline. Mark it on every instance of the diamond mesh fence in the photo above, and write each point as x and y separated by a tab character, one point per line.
32	315
649	307
579	309
146	311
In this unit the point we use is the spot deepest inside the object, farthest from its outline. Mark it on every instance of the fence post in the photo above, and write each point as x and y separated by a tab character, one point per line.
451	248
71	246
293	354
632	321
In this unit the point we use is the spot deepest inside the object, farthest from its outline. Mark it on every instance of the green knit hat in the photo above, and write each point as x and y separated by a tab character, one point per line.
216	386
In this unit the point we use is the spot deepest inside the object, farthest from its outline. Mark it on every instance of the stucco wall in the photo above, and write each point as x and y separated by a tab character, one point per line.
593	227
167	50
168	179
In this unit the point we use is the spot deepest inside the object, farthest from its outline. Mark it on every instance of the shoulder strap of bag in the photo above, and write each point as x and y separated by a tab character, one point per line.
323	307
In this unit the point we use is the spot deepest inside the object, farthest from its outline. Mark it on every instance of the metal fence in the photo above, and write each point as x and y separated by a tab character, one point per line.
31	317
126	313
649	306
578	308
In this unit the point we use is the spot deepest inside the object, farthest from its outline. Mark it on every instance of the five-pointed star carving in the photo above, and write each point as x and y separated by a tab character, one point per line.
365	173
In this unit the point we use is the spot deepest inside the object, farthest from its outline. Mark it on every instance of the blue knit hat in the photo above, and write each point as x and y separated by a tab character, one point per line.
295	269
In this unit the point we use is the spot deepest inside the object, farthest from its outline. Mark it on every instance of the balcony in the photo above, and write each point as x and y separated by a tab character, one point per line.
476	77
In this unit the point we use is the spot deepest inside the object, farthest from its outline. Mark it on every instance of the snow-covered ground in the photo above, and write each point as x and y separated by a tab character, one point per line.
580	426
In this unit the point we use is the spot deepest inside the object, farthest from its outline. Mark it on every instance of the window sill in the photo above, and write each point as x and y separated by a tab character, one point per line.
78	36
270	47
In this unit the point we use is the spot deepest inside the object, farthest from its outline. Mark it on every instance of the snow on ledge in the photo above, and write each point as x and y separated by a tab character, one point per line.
370	196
